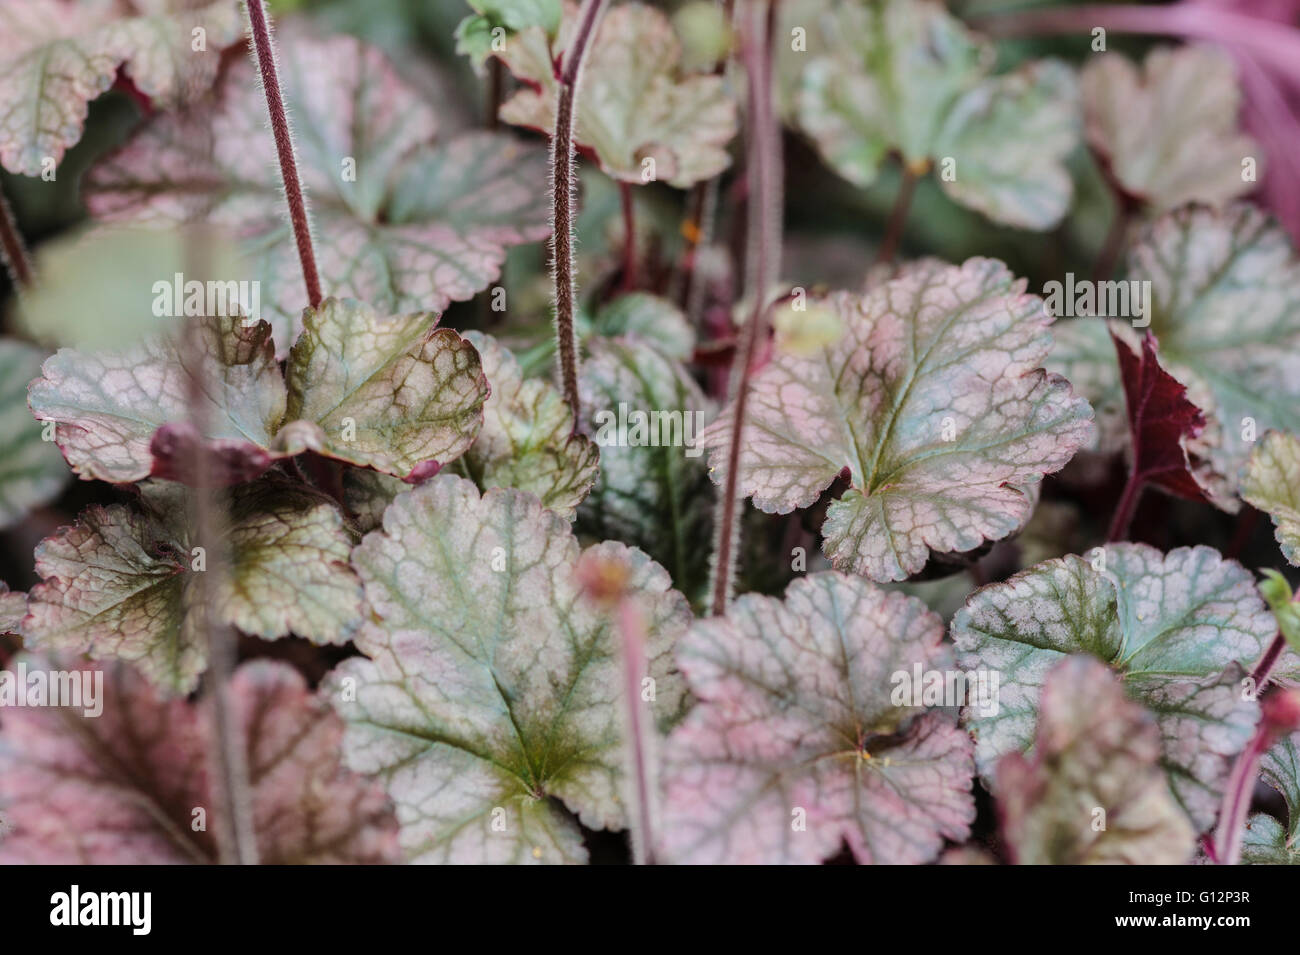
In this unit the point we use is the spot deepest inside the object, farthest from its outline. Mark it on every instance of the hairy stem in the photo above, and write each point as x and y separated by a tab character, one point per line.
1259	676
496	73
898	216
631	630
563	187
1237	798
13	249
764	172
629	236
293	194
1124	510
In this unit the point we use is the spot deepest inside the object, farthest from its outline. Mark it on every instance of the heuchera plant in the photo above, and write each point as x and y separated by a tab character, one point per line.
776	431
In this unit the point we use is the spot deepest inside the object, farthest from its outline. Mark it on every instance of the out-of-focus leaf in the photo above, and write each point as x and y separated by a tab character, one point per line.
124	787
58	55
387	392
645	411
121	582
1225	308
1272	484
1177	627
31	471
474	34
801	741
399	220
635	103
912	79
13	607
1093	791
528	440
391	393
1167	131
706	35
1163	427
934	404
491	699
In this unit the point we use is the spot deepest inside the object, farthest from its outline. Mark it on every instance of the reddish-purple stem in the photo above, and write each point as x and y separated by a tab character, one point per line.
293	193
764	171
898	216
1133	487
563	187
12	248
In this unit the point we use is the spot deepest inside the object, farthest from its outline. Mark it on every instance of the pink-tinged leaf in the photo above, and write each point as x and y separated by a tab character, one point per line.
31	470
1167	132
108	405
1272	484
13	607
123	787
1092	791
1163	427
118	583
642	116
797	744
1177	627
58	55
399	220
933	401
386	392
492	697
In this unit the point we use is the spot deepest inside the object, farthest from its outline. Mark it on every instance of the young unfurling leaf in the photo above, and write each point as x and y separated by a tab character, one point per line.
399	220
907	76
122	787
644	120
491	700
385	392
58	55
801	741
1167	131
932	401
118	583
1177	627
1094	750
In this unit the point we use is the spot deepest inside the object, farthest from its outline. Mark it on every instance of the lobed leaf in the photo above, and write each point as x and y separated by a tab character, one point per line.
120	584
636	103
1272	483
58	55
125	787
31	471
399	220
932	402
798	743
1093	791
491	699
1167	132
906	76
13	607
1177	627
475	34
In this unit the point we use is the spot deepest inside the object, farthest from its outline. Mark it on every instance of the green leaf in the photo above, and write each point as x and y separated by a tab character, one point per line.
1277	594
120	583
934	403
58	55
1225	308
1167	132
1272	484
474	33
1266	842
802	742
386	392
400	220
913	80
655	493
636	104
491	700
1096	751
528	440
1177	627
31	470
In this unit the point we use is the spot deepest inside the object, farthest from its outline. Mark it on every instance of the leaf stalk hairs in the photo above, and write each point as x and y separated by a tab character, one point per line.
563	187
764	172
264	50
12	249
